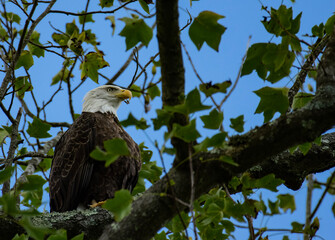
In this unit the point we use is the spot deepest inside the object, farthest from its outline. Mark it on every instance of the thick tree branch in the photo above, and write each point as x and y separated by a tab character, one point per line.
292	168
33	163
172	70
151	211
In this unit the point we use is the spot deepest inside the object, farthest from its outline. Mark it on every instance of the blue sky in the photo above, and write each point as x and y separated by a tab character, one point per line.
242	19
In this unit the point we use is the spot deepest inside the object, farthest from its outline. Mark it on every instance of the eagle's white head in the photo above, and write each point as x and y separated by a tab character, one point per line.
105	99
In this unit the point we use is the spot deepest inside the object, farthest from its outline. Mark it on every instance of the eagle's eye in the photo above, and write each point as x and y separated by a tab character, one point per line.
110	89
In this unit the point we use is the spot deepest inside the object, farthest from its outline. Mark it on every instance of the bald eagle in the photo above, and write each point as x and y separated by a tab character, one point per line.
77	180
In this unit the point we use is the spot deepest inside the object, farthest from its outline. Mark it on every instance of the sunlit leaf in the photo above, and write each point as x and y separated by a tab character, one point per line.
92	63
35	50
22	85
113	149
301	99
6	173
25	60
132	121
120	205
34	182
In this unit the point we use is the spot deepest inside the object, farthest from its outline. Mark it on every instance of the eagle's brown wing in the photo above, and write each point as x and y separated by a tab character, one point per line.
72	167
75	178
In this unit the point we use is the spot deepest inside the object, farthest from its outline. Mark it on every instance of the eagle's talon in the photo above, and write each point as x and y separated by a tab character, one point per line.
97	204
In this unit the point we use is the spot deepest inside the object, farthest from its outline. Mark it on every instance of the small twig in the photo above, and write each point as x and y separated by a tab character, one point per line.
35	161
316	50
12	147
93	12
322	196
144	68
137	64
238	75
197	74
310	183
192	191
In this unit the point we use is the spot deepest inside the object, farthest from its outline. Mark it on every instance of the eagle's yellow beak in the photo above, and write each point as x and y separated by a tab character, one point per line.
124	95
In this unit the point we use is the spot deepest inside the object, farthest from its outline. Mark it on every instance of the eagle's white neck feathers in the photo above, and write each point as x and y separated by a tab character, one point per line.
105	99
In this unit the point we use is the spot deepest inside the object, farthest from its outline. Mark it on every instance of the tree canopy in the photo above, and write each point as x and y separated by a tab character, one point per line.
209	169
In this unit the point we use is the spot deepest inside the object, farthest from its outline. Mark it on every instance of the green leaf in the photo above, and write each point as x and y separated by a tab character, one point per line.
162	119
285	237
120	205
21	237
38	129
151	171
85	18
186	133
25	60
79	237
213	120
269	182
132	121
329	26
35	50
282	22
237	123
71	28
106	3
58	235
318	31
215	141
145	154
92	63
305	147
269	58
286	202
61	39
135	31
22	85
274	207
176	224
62	75
136	90
3	135
34	182
114	148
6	173
228	160
301	99
205	28
297	227
153	91
272	100
209	89
11	17
34	232
144	6
191	105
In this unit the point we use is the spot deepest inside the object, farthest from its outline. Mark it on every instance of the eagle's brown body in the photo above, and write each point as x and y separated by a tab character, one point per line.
77	179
